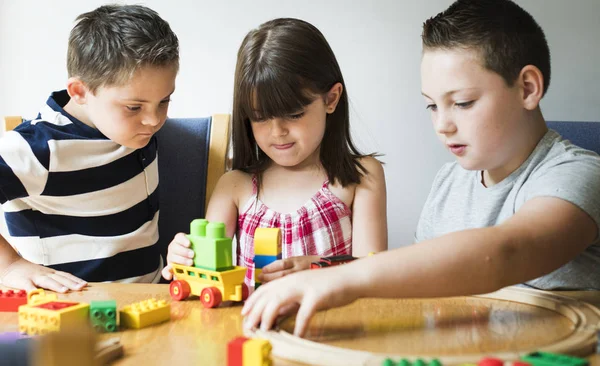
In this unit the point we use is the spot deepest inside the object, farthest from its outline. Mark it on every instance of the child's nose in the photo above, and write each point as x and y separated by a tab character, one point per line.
278	127
444	124
151	119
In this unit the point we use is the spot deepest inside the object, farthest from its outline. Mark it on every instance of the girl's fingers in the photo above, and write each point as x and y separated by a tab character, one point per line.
167	273
174	258
182	239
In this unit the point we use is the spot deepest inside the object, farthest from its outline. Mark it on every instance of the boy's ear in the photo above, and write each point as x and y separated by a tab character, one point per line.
531	81
77	90
333	97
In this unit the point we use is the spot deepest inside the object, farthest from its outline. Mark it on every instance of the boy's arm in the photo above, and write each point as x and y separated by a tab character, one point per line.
543	235
19	273
369	213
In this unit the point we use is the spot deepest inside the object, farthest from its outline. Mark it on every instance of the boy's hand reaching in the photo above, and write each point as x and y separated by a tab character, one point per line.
180	253
28	276
306	291
283	267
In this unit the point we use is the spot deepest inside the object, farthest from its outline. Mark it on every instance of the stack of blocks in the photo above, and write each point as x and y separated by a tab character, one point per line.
267	249
212	249
103	316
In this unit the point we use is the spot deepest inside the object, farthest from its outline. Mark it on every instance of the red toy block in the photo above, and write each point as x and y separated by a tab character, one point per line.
10	300
490	362
235	351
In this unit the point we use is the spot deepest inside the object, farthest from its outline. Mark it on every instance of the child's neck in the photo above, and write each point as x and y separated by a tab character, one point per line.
77	111
534	130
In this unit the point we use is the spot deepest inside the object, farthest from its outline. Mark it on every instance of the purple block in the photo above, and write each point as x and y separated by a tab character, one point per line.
11	337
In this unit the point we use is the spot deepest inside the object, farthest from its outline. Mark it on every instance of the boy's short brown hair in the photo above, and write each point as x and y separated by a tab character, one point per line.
507	36
107	45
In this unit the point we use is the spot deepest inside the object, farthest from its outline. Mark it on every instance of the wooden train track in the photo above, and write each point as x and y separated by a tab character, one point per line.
581	340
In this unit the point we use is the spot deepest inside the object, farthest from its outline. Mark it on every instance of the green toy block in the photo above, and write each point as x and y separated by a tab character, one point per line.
103	315
553	359
212	249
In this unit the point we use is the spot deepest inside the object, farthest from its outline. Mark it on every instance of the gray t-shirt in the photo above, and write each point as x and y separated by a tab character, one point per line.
458	201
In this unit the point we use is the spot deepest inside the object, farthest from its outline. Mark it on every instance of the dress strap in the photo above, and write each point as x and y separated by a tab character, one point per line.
325	184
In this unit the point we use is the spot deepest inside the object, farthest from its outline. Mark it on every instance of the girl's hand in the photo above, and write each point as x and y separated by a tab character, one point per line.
180	253
22	274
284	267
306	291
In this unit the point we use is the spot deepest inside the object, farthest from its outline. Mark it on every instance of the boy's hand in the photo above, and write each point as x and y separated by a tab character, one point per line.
307	291
283	267
28	276
180	253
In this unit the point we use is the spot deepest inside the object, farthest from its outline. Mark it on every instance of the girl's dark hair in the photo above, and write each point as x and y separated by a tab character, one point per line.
281	67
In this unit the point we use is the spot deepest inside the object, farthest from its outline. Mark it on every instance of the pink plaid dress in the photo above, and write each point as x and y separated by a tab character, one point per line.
323	226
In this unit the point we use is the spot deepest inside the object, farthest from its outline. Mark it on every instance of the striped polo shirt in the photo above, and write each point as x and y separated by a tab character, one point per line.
78	202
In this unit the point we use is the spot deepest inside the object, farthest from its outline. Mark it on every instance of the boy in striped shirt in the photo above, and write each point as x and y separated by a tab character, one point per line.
79	184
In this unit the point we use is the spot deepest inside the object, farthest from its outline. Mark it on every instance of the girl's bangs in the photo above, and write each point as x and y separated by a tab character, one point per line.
270	96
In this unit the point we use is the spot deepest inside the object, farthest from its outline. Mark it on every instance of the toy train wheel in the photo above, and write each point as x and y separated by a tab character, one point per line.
210	297
179	290
245	292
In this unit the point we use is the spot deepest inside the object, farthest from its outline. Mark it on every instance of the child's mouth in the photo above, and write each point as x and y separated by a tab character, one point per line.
457	149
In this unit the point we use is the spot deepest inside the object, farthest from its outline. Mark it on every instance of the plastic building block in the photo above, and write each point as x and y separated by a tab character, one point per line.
257	283
103	315
11	337
38	296
212	249
553	359
52	316
229	285
488	361
261	261
267	249
267	241
235	351
257	352
11	300
145	313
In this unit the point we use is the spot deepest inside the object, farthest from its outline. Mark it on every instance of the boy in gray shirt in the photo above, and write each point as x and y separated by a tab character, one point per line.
520	205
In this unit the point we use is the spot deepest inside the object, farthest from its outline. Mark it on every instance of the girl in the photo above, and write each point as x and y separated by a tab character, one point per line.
294	164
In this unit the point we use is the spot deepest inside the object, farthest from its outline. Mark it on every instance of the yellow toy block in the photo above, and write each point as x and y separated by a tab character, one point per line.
38	296
257	271
145	313
257	352
43	317
267	241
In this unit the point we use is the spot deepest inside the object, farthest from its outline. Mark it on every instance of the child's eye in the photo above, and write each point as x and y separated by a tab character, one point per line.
296	116
133	108
165	102
465	104
431	107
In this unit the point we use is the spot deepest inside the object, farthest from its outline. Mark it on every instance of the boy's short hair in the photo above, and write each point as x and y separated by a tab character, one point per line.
107	45
506	35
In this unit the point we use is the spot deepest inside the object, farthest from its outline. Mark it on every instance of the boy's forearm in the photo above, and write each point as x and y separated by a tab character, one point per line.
7	254
462	263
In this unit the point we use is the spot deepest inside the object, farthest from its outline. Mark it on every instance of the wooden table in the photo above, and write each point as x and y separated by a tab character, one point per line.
199	336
